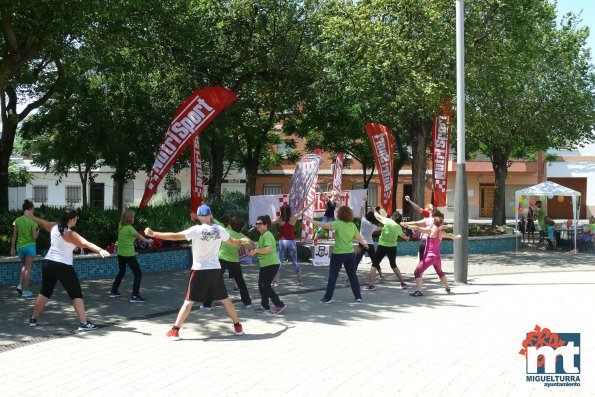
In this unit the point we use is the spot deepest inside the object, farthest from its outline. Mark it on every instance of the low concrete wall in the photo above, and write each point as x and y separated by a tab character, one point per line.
92	266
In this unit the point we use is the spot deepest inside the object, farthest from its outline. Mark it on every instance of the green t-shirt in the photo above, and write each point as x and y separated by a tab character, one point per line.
268	240
228	253
25	227
390	232
345	232
126	237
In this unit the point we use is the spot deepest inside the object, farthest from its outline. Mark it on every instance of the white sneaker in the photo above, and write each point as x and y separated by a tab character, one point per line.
27	294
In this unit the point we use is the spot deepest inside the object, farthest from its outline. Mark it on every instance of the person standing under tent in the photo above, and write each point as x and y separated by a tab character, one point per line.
287	247
387	246
58	266
343	252
24	235
206	279
432	253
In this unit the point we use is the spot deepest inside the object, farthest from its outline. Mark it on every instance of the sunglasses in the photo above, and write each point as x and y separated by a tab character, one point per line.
258	223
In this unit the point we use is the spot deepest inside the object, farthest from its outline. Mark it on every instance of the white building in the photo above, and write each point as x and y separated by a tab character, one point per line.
576	169
48	189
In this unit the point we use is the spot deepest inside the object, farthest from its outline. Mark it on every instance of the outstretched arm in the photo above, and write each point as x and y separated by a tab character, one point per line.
43	223
326	226
81	242
452	236
165	235
297	216
380	218
415	206
425	230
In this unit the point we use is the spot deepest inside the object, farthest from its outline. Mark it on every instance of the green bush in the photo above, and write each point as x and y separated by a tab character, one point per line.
101	226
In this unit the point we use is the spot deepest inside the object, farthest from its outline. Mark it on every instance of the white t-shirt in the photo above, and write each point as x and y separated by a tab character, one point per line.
60	250
206	241
429	222
366	229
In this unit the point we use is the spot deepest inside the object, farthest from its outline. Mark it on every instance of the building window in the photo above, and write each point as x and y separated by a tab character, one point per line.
372	193
128	192
73	194
40	194
271	189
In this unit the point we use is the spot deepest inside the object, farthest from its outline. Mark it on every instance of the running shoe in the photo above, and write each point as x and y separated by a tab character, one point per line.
27	294
382	277
114	294
358	300
403	285
20	289
173	334
137	299
275	284
237	328
248	306
324	300
447	289
261	309
236	290
278	309
205	308
87	326
369	287
32	322
417	293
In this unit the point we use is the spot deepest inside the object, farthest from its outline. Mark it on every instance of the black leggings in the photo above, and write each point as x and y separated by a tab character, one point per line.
371	252
52	272
235	272
135	267
265	278
390	252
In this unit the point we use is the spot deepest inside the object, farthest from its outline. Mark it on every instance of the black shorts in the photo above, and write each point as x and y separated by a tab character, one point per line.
52	272
206	285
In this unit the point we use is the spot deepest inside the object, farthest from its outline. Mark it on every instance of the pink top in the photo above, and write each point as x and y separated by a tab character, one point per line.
287	231
433	244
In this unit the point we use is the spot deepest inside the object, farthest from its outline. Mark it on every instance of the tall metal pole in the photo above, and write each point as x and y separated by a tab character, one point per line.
461	225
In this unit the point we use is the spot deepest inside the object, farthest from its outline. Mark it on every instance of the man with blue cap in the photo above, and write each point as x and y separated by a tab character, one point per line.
206	279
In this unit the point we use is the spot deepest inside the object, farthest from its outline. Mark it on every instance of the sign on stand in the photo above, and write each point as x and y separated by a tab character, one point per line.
321	255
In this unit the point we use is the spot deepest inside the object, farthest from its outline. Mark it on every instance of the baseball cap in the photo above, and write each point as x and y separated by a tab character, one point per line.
203	210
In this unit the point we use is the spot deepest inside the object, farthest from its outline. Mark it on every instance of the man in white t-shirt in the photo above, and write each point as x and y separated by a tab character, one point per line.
206	279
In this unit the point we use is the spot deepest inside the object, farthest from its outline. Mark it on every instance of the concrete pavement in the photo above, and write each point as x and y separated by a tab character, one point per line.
462	344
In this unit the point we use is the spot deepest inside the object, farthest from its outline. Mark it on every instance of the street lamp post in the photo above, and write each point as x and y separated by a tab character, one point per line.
461	225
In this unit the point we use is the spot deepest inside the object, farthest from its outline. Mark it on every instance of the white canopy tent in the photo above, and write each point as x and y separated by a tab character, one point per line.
551	189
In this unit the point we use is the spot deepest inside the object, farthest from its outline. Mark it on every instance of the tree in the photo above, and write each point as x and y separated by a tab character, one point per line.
36	37
530	84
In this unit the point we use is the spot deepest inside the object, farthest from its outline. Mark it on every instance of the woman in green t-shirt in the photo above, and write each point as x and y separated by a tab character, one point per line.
24	234
126	256
269	266
343	252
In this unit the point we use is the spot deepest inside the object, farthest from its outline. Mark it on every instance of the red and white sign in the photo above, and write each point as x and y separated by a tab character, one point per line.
382	142
197	187
190	119
441	145
338	174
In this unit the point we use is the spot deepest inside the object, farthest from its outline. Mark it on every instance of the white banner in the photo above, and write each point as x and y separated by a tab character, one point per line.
271	205
322	255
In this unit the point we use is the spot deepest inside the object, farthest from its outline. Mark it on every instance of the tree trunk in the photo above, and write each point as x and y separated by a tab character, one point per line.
9	129
217	169
402	157
84	176
251	175
419	138
500	165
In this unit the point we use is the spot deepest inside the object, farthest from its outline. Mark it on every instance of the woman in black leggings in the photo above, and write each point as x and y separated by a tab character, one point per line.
57	266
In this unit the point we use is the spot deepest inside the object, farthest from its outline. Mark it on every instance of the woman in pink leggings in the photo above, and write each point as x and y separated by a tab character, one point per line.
432	252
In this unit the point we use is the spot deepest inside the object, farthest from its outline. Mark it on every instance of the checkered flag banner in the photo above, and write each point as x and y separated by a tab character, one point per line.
308	227
304	177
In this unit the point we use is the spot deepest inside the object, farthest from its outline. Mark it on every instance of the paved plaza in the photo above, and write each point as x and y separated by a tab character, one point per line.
465	343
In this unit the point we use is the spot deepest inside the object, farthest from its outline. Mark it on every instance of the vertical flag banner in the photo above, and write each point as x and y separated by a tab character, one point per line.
338	174
303	188
190	119
382	142
197	177
441	145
